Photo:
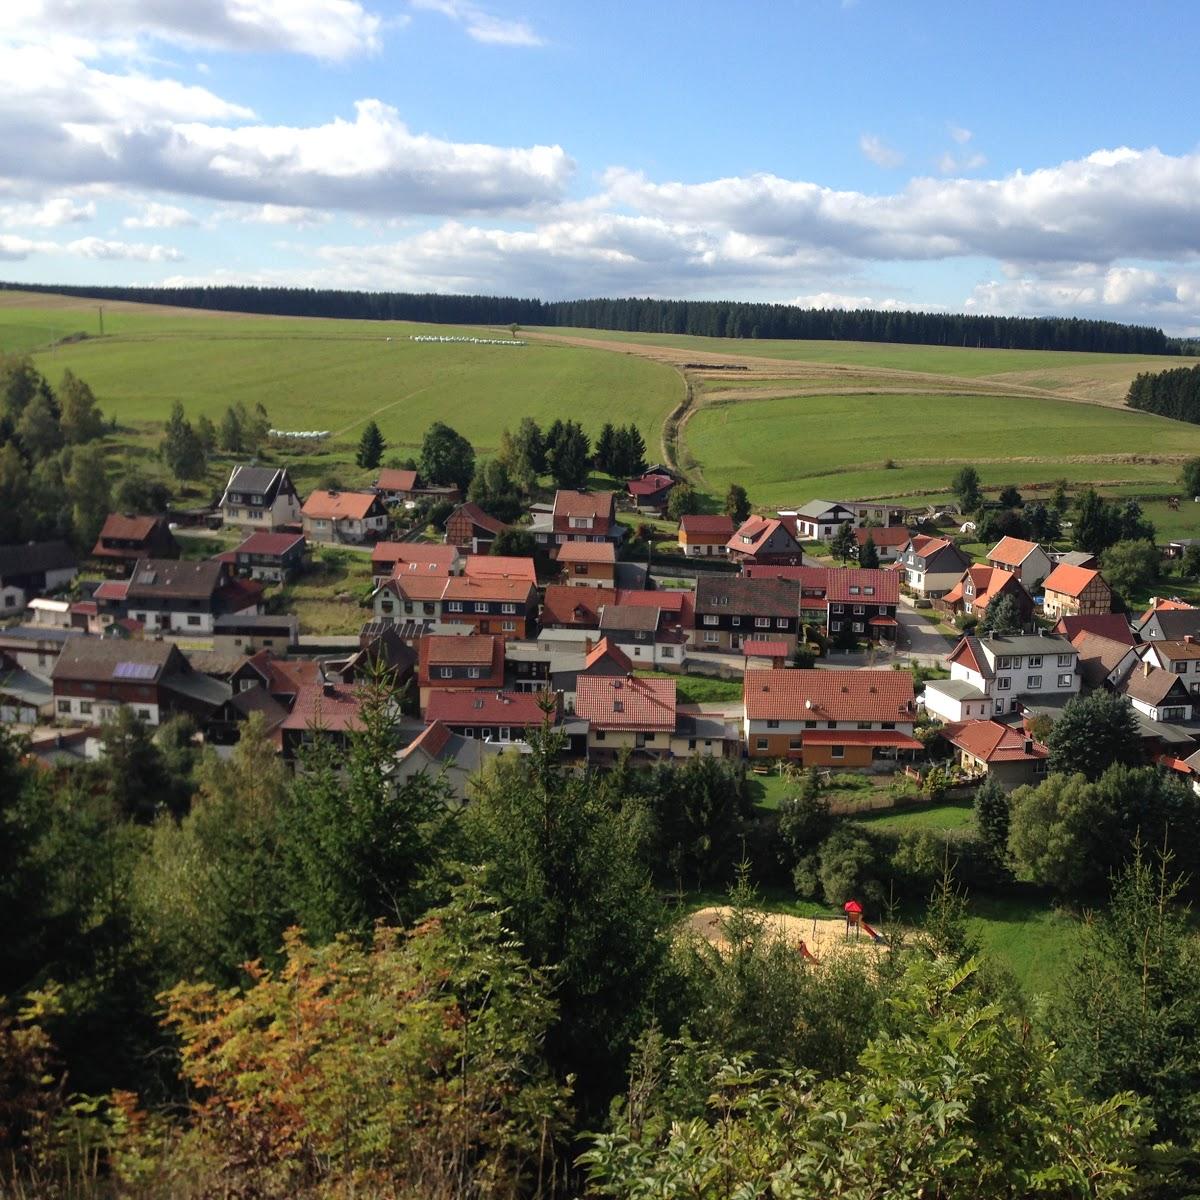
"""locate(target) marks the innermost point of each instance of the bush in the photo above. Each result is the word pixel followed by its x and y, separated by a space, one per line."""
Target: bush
pixel 849 865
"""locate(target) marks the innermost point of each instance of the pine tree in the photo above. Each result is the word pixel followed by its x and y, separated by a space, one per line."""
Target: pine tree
pixel 88 488
pixel 635 452
pixel 1002 617
pixel 605 444
pixel 370 447
pixel 737 503
pixel 843 543
pixel 569 458
pixel 965 486
pixel 868 556
pixel 992 821
pixel 81 419
pixel 181 449
pixel 232 437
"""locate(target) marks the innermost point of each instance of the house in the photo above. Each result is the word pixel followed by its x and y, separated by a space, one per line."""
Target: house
pixel 384 649
pixel 438 753
pixel 344 517
pixel 414 558
pixel 581 517
pixel 1158 694
pixel 500 566
pixel 566 607
pixel 626 714
pixel 650 493
pixel 819 520
pixel 764 540
pixel 34 647
pixel 1180 657
pixel 980 587
pixel 322 710
pixel 471 530
pixel 490 604
pixel 1103 662
pixel 931 565
pixel 1000 752
pixel 33 569
pixel 731 611
pixel 1026 560
pixel 705 537
pixel 878 513
pixel 93 677
pixel 1077 558
pixel 1168 620
pixel 835 718
pixel 54 613
pixel 396 485
pixel 491 715
pixel 247 633
pixel 1109 625
pixel 271 557
pixel 260 498
pixel 1075 591
pixel 26 698
pixel 472 661
pixel 1003 671
pixel 650 636
pixel 588 564
pixel 888 541
pixel 867 597
pixel 178 596
pixel 125 538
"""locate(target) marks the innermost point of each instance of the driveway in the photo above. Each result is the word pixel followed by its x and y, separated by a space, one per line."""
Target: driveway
pixel 921 640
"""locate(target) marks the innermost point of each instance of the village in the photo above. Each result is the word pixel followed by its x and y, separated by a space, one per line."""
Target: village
pixel 842 667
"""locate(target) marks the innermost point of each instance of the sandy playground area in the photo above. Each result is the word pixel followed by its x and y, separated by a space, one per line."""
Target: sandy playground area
pixel 822 937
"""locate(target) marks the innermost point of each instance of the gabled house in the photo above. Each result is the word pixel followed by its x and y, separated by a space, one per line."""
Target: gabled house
pixel 1109 625
pixel 931 565
pixel 764 540
pixel 31 570
pixel 889 540
pixel 835 718
pixel 650 636
pixel 865 597
pixel 1158 694
pixel 492 716
pixel 179 596
pixel 438 753
pixel 878 512
pixel 353 517
pixel 705 537
pixel 588 564
pixel 731 611
pixel 396 485
pixel 490 604
pixel 248 633
pixel 566 607
pixel 448 662
pixel 1004 673
pixel 26 698
pixel 819 520
pixel 1180 657
pixel 260 498
pixel 581 517
pixel 271 557
pixel 1026 560
pixel 1169 621
pixel 471 530
pixel 626 714
pixel 34 647
pixel 1000 752
pixel 1103 662
pixel 1075 591
pixel 650 493
pixel 414 558
pixel 124 538
pixel 980 587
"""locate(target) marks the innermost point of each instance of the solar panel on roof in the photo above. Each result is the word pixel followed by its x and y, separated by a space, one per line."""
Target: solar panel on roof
pixel 134 670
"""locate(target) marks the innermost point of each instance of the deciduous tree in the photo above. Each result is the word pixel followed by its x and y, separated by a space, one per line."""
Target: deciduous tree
pixel 737 503
pixel 447 458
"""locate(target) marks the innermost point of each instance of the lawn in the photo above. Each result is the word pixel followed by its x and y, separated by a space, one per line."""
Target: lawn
pixel 699 689
pixel 956 815
pixel 789 449
pixel 327 597
pixel 1024 933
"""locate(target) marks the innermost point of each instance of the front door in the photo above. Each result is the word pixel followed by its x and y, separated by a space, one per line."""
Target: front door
pixel 735 641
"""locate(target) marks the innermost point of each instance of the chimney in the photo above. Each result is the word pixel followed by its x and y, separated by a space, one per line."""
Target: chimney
pixel 1146 668
pixel 1188 640
pixel 1029 745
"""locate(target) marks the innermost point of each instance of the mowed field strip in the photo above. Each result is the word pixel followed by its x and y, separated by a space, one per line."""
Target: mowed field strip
pixel 789 420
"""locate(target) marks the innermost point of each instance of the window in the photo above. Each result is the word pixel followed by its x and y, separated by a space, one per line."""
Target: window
pixel 1003 662
pixel 64 706
pixel 781 622
pixel 454 606
pixel 85 708
pixel 863 725
pixel 446 672
pixel 481 606
pixel 883 612
pixel 581 569
pixel 772 724
pixel 143 714
pixel 810 724
pixel 859 610
pixel 762 622
pixel 887 724
pixel 858 627
pixel 868 591
pixel 468 732
pixel 1066 660
pixel 668 651
pixel 1035 682
pixel 830 724
pixel 735 621
pixel 835 625
pixel 1180 668
pixel 855 590
pixel 837 751
pixel 711 636
pixel 761 743
pixel 508 627
pixel 710 618
pixel 1035 660
pixel 193 620
pixel 837 608
pixel 472 672
pixel 1065 679
pixel 600 735
pixel 581 522
pixel 1003 683
pixel 1196 689
pixel 1041 766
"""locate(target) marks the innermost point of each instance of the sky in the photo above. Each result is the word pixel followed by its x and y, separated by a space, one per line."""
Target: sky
pixel 1020 157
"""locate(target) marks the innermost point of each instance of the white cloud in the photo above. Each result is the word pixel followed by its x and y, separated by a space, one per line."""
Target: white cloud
pixel 878 151
pixel 324 29
pixel 841 300
pixel 483 26
pixel 959 134
pixel 15 248
pixel 59 210
pixel 948 164
pixel 160 216
pixel 274 214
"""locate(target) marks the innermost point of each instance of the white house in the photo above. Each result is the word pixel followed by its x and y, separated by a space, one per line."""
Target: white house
pixel 821 519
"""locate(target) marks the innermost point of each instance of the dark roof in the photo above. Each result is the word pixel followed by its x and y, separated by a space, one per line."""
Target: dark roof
pixel 760 597
pixel 1175 623
pixel 94 658
pixel 1155 686
pixel 269 543
pixel 628 617
pixel 163 578
pixel 473 513
pixel 32 557
pixel 252 479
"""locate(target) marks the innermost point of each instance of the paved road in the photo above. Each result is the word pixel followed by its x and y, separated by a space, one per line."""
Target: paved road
pixel 920 640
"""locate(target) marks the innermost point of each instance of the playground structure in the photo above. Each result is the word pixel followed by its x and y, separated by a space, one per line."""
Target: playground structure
pixel 816 938
pixel 856 921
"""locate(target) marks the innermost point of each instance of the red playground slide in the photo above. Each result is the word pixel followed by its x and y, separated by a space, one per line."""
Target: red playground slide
pixel 808 953
pixel 873 934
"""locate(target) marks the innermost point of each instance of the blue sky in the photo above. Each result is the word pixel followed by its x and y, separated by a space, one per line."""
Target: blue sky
pixel 1017 157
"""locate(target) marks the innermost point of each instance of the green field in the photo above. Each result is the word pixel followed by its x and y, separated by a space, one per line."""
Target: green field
pixel 956 815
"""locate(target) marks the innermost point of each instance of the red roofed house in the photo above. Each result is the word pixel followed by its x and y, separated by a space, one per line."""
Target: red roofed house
pixel 500 566
pixel 705 537
pixel 866 597
pixel 273 557
pixel 889 541
pixel 396 485
pixel 413 558
pixel 1027 560
pixel 582 517
pixel 626 713
pixel 471 529
pixel 1004 753
pixel 982 586
pixel 566 607
pixel 344 517
pixel 828 718
pixel 650 492
pixel 322 709
pixel 491 716
pixel 491 604
pixel 764 540
pixel 1075 591
pixel 588 564
pixel 1109 625
pixel 125 538
pixel 448 661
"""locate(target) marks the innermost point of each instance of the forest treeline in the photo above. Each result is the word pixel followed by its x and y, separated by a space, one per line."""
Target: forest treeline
pixel 1174 393
pixel 706 318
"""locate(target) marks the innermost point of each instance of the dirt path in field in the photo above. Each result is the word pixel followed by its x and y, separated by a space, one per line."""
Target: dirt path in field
pixel 823 937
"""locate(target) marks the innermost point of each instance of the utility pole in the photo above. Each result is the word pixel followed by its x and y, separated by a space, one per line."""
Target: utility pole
pixel 100 310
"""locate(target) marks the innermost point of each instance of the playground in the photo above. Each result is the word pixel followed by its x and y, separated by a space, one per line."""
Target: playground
pixel 815 937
